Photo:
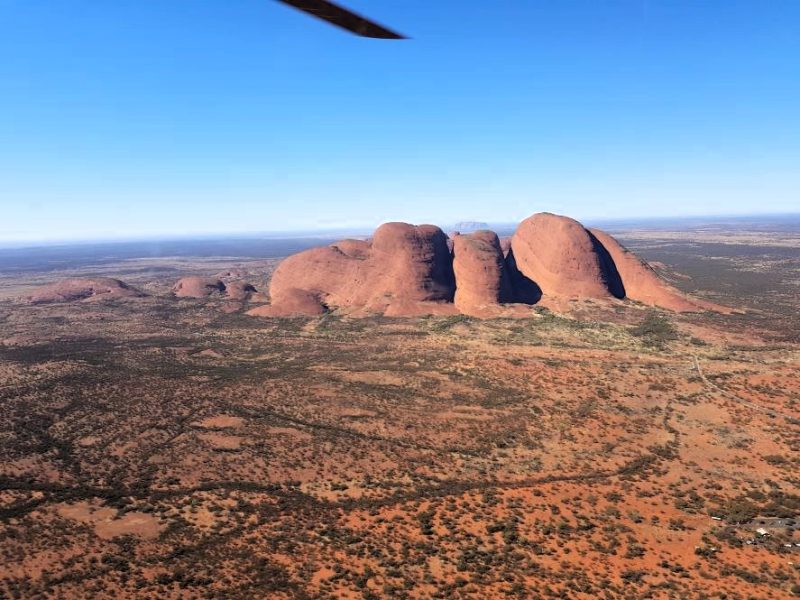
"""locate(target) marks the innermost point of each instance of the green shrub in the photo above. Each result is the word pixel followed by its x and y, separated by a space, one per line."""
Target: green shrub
pixel 655 330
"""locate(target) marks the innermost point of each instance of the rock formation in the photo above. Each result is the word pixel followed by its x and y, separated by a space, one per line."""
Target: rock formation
pixel 558 254
pixel 88 290
pixel 481 273
pixel 292 302
pixel 404 270
pixel 197 287
pixel 413 270
pixel 236 292
pixel 644 285
pixel 239 290
pixel 411 266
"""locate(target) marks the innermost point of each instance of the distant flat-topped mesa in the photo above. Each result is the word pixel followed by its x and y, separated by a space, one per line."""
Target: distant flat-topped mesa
pixel 407 270
pixel 83 290
pixel 471 226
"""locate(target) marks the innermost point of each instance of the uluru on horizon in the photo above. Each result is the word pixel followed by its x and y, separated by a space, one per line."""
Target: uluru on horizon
pixel 408 270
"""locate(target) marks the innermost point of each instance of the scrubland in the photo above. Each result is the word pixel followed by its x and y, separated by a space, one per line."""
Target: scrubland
pixel 161 448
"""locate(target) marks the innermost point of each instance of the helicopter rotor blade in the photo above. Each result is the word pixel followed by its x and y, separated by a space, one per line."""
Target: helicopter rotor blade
pixel 346 19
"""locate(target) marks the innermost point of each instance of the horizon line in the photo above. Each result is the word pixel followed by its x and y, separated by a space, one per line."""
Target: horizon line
pixel 322 231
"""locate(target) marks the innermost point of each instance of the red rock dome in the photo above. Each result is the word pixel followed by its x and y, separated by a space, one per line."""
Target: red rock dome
pixel 197 287
pixel 90 290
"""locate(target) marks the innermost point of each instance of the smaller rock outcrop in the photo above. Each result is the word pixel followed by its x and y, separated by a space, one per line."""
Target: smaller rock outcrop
pixel 239 290
pixel 84 290
pixel 292 303
pixel 198 287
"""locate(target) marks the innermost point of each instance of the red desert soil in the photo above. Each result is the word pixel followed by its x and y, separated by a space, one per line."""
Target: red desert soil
pixel 396 458
pixel 221 422
pixel 108 523
pixel 166 449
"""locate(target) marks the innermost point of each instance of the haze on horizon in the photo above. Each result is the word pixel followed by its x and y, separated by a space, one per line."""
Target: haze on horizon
pixel 141 118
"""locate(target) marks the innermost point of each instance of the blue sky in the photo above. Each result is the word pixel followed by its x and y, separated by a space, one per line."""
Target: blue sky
pixel 159 117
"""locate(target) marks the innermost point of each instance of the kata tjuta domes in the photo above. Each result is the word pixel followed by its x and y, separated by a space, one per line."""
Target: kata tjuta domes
pixel 405 269
pixel 411 270
pixel 566 260
pixel 83 290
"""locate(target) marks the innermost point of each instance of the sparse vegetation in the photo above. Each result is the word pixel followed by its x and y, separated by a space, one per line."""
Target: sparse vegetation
pixel 166 449
pixel 655 330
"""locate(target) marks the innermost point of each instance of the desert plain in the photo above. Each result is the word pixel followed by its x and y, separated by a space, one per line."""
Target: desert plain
pixel 156 446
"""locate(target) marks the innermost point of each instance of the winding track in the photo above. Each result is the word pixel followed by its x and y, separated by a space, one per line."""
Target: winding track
pixel 767 411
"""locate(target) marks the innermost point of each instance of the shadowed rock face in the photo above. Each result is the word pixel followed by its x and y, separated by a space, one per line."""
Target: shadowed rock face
pixel 481 273
pixel 523 289
pixel 411 270
pixel 642 283
pixel 197 287
pixel 89 290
